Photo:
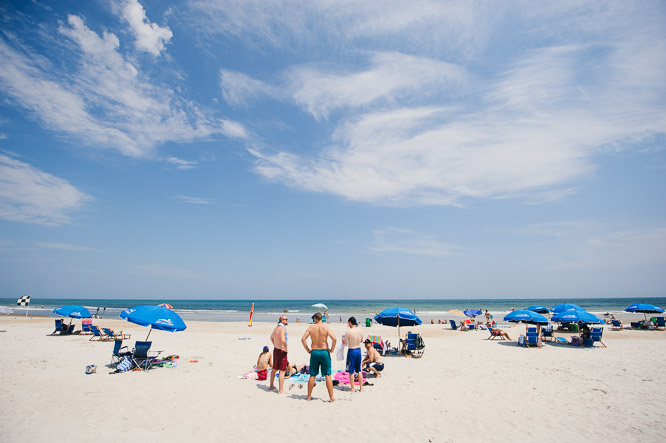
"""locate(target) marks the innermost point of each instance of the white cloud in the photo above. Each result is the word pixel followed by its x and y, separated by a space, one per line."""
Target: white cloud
pixel 239 88
pixel 181 164
pixel 194 200
pixel 107 103
pixel 150 37
pixel 63 246
pixel 405 241
pixel 28 195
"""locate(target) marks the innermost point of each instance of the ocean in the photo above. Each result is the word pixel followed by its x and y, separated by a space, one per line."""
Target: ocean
pixel 270 310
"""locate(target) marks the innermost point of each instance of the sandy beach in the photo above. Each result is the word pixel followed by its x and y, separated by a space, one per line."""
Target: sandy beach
pixel 465 388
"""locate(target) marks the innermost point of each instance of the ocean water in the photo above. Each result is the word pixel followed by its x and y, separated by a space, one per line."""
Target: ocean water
pixel 339 310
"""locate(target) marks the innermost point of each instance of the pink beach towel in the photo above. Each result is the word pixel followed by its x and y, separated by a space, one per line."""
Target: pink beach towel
pixel 343 377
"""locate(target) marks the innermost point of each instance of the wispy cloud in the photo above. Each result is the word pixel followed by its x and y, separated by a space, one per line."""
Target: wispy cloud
pixel 179 163
pixel 29 195
pixel 150 37
pixel 64 246
pixel 239 89
pixel 194 200
pixel 104 100
pixel 405 241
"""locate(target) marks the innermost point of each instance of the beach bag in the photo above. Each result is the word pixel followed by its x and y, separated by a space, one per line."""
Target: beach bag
pixel 262 375
pixel 124 365
pixel 521 340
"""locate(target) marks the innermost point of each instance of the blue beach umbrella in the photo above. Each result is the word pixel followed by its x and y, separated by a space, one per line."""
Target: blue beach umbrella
pixel 573 316
pixel 565 307
pixel 472 312
pixel 644 308
pixel 73 311
pixel 397 317
pixel 526 316
pixel 157 317
pixel 538 309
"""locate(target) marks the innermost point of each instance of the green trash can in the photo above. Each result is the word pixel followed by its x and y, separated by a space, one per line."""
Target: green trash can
pixel 368 322
pixel 573 327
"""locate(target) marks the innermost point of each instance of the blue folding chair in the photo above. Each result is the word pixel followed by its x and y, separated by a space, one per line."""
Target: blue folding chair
pixel 596 334
pixel 414 343
pixel 453 324
pixel 140 355
pixel 661 322
pixel 616 325
pixel 118 353
pixel 532 338
pixel 547 333
pixel 58 327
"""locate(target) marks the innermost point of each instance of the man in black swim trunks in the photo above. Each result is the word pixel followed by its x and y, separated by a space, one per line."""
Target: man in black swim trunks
pixel 373 362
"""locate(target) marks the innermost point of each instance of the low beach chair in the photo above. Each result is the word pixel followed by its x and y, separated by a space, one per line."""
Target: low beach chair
pixel 660 322
pixel 140 356
pixel 118 353
pixel 453 324
pixel 377 343
pixel 561 340
pixel 69 330
pixel 547 333
pixel 636 325
pixel 595 335
pixel 532 338
pixel 616 325
pixel 115 335
pixel 58 327
pixel 414 343
pixel 97 334
pixel 494 334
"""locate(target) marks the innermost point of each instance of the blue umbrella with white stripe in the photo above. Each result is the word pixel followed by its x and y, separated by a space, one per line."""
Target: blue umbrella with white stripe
pixel 644 308
pixel 565 307
pixel 157 317
pixel 573 316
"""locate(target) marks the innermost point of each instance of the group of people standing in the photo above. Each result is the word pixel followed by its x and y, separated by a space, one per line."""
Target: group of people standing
pixel 320 350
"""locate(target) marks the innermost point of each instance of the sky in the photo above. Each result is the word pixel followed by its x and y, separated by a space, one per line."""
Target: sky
pixel 267 149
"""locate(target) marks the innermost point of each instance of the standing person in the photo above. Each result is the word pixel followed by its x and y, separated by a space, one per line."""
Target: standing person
pixel 320 354
pixel 353 339
pixel 279 340
pixel 487 316
pixel 264 361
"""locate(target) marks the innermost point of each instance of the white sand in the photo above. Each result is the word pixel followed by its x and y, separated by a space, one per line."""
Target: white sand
pixel 465 388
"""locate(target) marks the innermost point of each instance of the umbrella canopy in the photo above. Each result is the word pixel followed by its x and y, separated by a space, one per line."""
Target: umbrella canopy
pixel 74 311
pixel 565 307
pixel 165 305
pixel 472 312
pixel 539 309
pixel 5 310
pixel 320 306
pixel 157 317
pixel 644 308
pixel 397 317
pixel 574 316
pixel 456 312
pixel 526 316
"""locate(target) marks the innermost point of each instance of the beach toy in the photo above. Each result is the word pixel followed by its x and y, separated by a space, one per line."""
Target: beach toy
pixel 193 361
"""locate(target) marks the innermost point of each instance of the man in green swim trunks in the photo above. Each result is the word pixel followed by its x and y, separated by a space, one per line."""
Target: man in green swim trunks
pixel 320 354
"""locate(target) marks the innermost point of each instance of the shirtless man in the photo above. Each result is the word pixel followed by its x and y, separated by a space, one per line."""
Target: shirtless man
pixel 353 339
pixel 279 340
pixel 373 361
pixel 264 361
pixel 320 354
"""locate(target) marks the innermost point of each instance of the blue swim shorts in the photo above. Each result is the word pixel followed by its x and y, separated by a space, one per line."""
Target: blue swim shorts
pixel 320 358
pixel 354 358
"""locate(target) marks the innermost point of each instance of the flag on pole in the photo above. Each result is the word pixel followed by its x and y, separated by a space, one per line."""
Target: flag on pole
pixel 23 301
pixel 251 313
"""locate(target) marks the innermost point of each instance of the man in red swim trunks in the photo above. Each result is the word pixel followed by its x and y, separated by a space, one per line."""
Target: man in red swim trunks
pixel 279 340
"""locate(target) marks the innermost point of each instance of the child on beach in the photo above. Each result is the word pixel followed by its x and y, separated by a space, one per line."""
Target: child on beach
pixel 264 362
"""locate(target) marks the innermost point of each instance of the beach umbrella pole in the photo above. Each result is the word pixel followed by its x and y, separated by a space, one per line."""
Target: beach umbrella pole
pixel 151 330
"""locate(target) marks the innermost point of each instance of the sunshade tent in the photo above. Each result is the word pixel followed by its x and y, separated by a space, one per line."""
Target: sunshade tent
pixel 538 309
pixel 644 308
pixel 157 317
pixel 565 307
pixel 574 316
pixel 397 317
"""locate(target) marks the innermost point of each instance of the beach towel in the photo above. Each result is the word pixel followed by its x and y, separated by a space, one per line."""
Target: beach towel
pixel 340 353
pixel 124 365
pixel 343 377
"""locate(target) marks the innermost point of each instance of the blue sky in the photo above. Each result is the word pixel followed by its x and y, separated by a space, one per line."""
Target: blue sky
pixel 332 149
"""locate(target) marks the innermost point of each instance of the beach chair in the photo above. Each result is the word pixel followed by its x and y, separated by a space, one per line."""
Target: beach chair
pixel 561 340
pixel 495 334
pixel 547 333
pixel 140 356
pixel 97 334
pixel 453 324
pixel 118 353
pixel 532 338
pixel 377 343
pixel 616 325
pixel 69 330
pixel 115 335
pixel 58 327
pixel 660 322
pixel 596 334
pixel 636 325
pixel 414 343
pixel 471 326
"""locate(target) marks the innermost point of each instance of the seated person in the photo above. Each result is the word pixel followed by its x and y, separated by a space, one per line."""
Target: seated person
pixel 499 332
pixel 264 362
pixel 585 331
pixel 373 362
pixel 463 326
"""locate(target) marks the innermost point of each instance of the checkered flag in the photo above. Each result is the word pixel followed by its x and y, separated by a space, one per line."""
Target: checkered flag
pixel 23 301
